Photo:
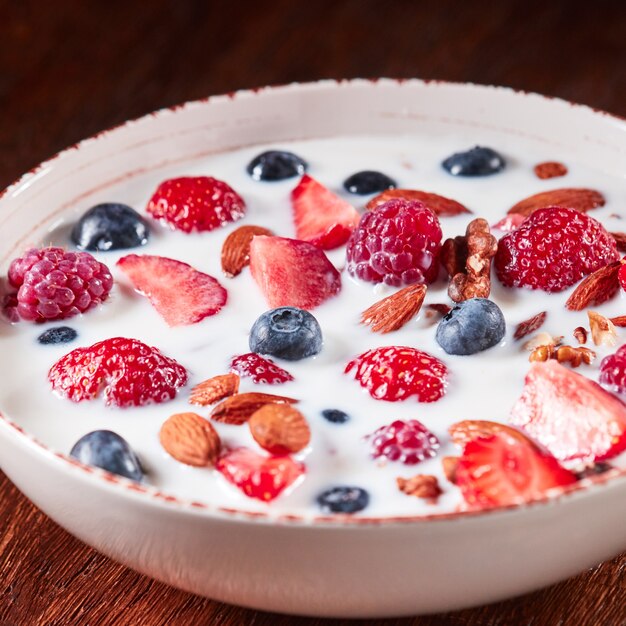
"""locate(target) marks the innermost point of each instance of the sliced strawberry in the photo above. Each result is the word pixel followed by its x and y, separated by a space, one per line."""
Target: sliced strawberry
pixel 321 217
pixel 573 417
pixel 258 476
pixel 261 370
pixel 181 294
pixel 501 469
pixel 290 272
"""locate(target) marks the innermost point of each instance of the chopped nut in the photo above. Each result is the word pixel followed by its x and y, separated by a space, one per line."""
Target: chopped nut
pixel 421 486
pixel 602 329
pixel 620 240
pixel 214 389
pixel 563 354
pixel 620 321
pixel 596 288
pixel 542 353
pixel 530 325
pixel 581 335
pixel 474 280
pixel 550 169
pixel 394 311
pixel 541 339
pixel 454 255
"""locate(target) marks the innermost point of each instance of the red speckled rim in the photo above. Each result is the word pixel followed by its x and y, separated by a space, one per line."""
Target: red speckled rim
pixel 101 478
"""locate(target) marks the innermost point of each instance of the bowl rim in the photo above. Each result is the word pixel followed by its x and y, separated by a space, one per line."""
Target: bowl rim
pixel 148 495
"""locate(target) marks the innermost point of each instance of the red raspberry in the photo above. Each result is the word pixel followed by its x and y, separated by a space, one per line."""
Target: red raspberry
pixel 261 370
pixel 409 442
pixel 129 372
pixel 396 243
pixel 613 371
pixel 196 203
pixel 54 284
pixel 397 372
pixel 553 249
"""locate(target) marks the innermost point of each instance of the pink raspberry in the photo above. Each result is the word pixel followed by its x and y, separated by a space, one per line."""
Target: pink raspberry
pixel 613 371
pixel 553 249
pixel 53 284
pixel 409 442
pixel 126 371
pixel 396 243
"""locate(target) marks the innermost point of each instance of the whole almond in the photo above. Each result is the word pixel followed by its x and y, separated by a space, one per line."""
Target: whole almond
pixel 439 205
pixel 236 248
pixel 394 311
pixel 572 198
pixel 596 288
pixel 214 389
pixel 190 439
pixel 238 409
pixel 280 429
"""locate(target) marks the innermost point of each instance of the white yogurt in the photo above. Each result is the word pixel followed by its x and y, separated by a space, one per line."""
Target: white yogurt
pixel 482 386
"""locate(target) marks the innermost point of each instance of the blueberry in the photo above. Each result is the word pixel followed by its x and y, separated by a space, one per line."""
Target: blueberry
pixel 110 226
pixel 287 333
pixel 477 161
pixel 367 182
pixel 471 326
pixel 107 450
pixel 335 416
pixel 58 334
pixel 343 499
pixel 276 165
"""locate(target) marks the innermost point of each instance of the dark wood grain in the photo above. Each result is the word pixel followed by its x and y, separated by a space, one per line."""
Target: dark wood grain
pixel 71 68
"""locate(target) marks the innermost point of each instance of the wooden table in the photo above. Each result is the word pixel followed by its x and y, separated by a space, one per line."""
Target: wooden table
pixel 71 68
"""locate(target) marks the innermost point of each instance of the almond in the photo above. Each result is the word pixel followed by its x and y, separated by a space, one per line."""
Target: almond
pixel 530 325
pixel 572 198
pixel 550 169
pixel 602 329
pixel 190 439
pixel 238 409
pixel 468 430
pixel 620 321
pixel 236 248
pixel 421 486
pixel 393 312
pixel 214 389
pixel 620 240
pixel 280 429
pixel 439 205
pixel 596 288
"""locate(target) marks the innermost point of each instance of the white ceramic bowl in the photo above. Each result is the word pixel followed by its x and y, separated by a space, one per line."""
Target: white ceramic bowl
pixel 354 567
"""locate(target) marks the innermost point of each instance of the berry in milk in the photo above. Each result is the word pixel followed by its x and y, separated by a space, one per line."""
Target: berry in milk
pixel 350 393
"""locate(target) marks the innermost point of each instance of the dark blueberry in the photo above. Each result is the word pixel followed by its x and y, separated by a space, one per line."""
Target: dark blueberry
pixel 343 499
pixel 58 334
pixel 471 326
pixel 110 226
pixel 477 161
pixel 276 165
pixel 335 416
pixel 287 333
pixel 367 182
pixel 108 451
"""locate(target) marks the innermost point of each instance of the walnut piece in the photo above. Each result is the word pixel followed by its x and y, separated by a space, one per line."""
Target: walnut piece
pixel 421 486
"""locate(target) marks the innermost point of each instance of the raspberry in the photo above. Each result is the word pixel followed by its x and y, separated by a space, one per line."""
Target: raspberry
pixel 396 372
pixel 259 369
pixel 409 442
pixel 196 203
pixel 129 372
pixel 553 249
pixel 397 243
pixel 613 371
pixel 53 284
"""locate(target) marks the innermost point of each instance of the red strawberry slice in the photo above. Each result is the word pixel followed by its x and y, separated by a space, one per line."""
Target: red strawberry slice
pixel 181 294
pixel 260 477
pixel 501 469
pixel 573 417
pixel 321 217
pixel 261 370
pixel 126 371
pixel 397 372
pixel 195 203
pixel 290 272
